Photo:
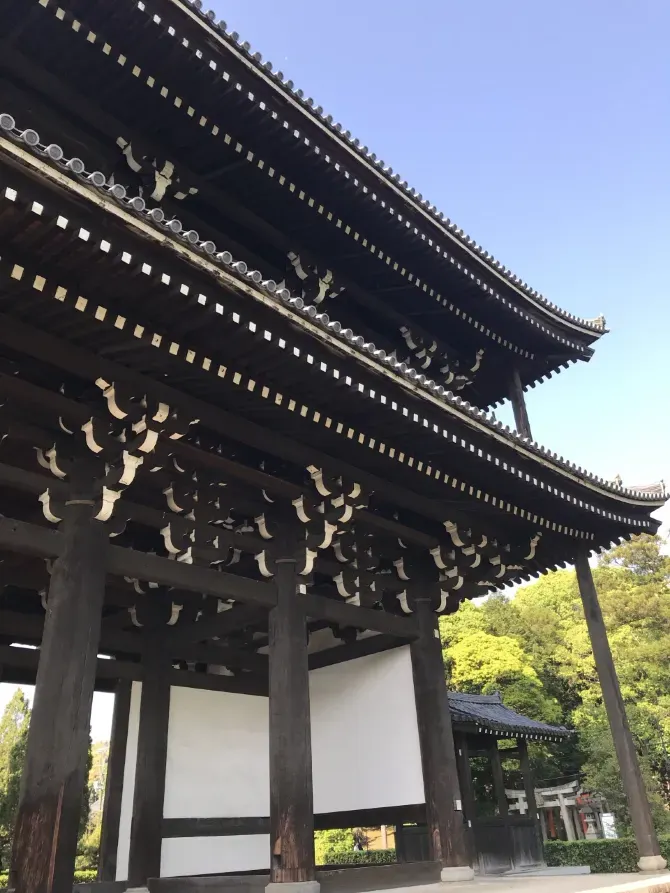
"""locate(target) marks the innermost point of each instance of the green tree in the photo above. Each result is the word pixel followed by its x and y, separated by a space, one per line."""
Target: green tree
pixel 535 649
pixel 13 737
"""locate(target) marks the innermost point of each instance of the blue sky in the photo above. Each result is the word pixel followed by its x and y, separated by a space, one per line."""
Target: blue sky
pixel 543 130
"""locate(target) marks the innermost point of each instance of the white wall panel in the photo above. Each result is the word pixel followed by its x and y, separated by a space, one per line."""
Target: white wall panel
pixel 365 753
pixel 123 851
pixel 217 763
pixel 365 741
pixel 184 856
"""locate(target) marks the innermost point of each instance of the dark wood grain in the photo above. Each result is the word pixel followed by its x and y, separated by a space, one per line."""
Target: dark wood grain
pixel 291 797
pixel 518 400
pixel 436 739
pixel 54 775
pixel 146 828
pixel 638 803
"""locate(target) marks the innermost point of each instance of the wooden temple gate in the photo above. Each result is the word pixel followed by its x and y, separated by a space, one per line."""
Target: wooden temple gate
pixel 246 377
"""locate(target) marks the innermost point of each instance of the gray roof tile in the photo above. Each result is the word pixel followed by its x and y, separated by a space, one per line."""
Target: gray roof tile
pixel 488 712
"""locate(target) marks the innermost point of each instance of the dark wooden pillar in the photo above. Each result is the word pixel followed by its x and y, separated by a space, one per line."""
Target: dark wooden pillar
pixel 467 791
pixel 518 401
pixel 498 779
pixel 54 774
pixel 528 781
pixel 146 833
pixel 291 798
pixel 111 810
pixel 638 804
pixel 446 833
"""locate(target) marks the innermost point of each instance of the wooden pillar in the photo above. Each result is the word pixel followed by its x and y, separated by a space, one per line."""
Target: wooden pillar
pixel 291 797
pixel 528 782
pixel 467 792
pixel 146 832
pixel 529 787
pixel 498 779
pixel 446 833
pixel 54 774
pixel 638 804
pixel 111 810
pixel 518 401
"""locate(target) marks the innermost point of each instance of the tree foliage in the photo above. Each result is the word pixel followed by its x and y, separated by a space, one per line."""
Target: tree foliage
pixel 534 648
pixel 13 736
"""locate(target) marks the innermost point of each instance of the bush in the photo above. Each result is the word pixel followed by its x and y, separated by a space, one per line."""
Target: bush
pixel 80 877
pixel 85 877
pixel 351 857
pixel 602 856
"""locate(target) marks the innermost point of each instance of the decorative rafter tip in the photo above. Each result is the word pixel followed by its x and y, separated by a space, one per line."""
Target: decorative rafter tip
pixel 136 205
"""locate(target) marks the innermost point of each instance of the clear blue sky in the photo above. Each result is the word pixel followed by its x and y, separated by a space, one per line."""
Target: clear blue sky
pixel 543 130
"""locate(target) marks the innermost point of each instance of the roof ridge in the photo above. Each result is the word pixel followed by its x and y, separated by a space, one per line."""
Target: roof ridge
pixel 494 698
pixel 597 325
pixel 76 167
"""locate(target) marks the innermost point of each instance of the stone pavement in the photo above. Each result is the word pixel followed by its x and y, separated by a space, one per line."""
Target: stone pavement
pixel 602 883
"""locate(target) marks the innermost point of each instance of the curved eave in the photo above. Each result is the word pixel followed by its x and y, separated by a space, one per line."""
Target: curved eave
pixel 503 325
pixel 223 269
pixel 424 211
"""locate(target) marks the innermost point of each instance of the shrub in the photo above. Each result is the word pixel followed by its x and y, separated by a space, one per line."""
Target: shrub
pixel 80 877
pixel 602 856
pixel 85 877
pixel 366 857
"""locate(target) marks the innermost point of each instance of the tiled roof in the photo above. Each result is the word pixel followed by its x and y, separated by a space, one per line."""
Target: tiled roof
pixel 489 713
pixel 76 169
pixel 219 29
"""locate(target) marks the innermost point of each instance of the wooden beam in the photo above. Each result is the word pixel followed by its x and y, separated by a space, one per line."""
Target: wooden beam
pixel 19 536
pixel 446 833
pixel 220 625
pixel 318 607
pixel 88 365
pixel 631 776
pixel 325 821
pixel 105 670
pixel 146 828
pixel 242 683
pixel 54 773
pixel 28 629
pixel 359 648
pixel 111 810
pixel 29 539
pixel 291 797
pixel 214 827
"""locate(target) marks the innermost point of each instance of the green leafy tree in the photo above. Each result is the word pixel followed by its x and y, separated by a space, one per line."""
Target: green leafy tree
pixel 535 649
pixel 13 737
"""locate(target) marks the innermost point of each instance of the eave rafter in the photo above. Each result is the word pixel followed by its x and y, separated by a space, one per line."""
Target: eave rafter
pixel 467 413
pixel 216 130
pixel 272 92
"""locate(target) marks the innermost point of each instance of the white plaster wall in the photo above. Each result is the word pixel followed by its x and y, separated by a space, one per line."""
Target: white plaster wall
pixel 365 753
pixel 123 851
pixel 217 755
pixel 365 741
pixel 184 856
